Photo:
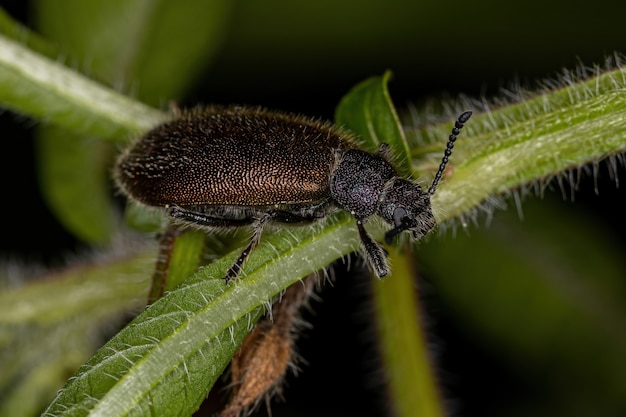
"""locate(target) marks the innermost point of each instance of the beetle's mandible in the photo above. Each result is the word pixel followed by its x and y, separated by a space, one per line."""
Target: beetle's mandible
pixel 227 167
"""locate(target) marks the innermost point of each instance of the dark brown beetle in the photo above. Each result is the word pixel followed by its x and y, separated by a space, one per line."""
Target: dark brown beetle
pixel 224 167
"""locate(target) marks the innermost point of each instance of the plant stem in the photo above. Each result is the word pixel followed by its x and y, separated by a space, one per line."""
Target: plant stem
pixel 34 85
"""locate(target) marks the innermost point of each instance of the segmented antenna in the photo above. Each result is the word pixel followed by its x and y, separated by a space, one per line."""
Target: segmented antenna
pixel 463 118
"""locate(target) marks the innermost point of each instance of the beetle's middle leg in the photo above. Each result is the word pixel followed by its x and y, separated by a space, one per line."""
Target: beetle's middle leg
pixel 258 223
pixel 257 226
pixel 303 214
pixel 281 216
pixel 289 217
pixel 202 219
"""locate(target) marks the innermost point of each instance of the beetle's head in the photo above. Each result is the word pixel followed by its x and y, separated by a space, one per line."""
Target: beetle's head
pixel 406 206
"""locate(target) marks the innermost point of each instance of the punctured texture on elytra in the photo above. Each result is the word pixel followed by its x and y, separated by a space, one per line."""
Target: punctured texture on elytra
pixel 232 156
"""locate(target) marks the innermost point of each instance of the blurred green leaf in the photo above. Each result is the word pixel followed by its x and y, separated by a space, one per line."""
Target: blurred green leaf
pixel 155 49
pixel 143 219
pixel 40 359
pixel 158 49
pixel 20 33
pixel 180 254
pixel 49 327
pixel 74 178
pixel 404 347
pixel 186 257
pixel 98 288
pixel 547 295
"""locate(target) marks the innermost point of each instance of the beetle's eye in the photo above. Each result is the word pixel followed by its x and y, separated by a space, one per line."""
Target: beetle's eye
pixel 398 215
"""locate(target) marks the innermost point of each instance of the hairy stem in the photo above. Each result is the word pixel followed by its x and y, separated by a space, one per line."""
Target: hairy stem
pixel 34 85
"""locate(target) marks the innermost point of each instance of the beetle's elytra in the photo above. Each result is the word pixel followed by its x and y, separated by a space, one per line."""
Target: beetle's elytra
pixel 221 167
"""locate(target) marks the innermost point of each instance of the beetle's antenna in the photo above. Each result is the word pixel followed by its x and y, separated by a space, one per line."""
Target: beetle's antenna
pixel 463 118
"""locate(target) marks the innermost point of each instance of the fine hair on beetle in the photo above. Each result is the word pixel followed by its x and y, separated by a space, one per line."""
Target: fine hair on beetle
pixel 230 167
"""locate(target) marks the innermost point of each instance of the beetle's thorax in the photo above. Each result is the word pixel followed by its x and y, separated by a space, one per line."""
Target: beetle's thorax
pixel 358 181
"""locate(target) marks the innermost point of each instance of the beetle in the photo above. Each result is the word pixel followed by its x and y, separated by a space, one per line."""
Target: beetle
pixel 228 167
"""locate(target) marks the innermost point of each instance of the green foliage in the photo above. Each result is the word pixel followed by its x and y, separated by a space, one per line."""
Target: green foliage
pixel 564 280
pixel 567 281
pixel 146 47
pixel 368 111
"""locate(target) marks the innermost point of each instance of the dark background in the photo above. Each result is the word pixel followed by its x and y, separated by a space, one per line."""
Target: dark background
pixel 471 49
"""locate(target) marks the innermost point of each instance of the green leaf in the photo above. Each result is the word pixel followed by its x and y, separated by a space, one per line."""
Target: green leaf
pixel 98 289
pixel 182 343
pixel 51 326
pixel 411 379
pixel 368 111
pixel 74 180
pixel 34 391
pixel 180 254
pixel 186 257
pixel 143 219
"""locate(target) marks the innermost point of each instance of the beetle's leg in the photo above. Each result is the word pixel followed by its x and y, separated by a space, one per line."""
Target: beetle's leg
pixel 275 215
pixel 282 216
pixel 302 214
pixel 204 220
pixel 235 269
pixel 217 222
pixel 376 255
pixel 258 224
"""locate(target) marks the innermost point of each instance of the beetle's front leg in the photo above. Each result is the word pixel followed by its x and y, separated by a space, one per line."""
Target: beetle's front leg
pixel 376 255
